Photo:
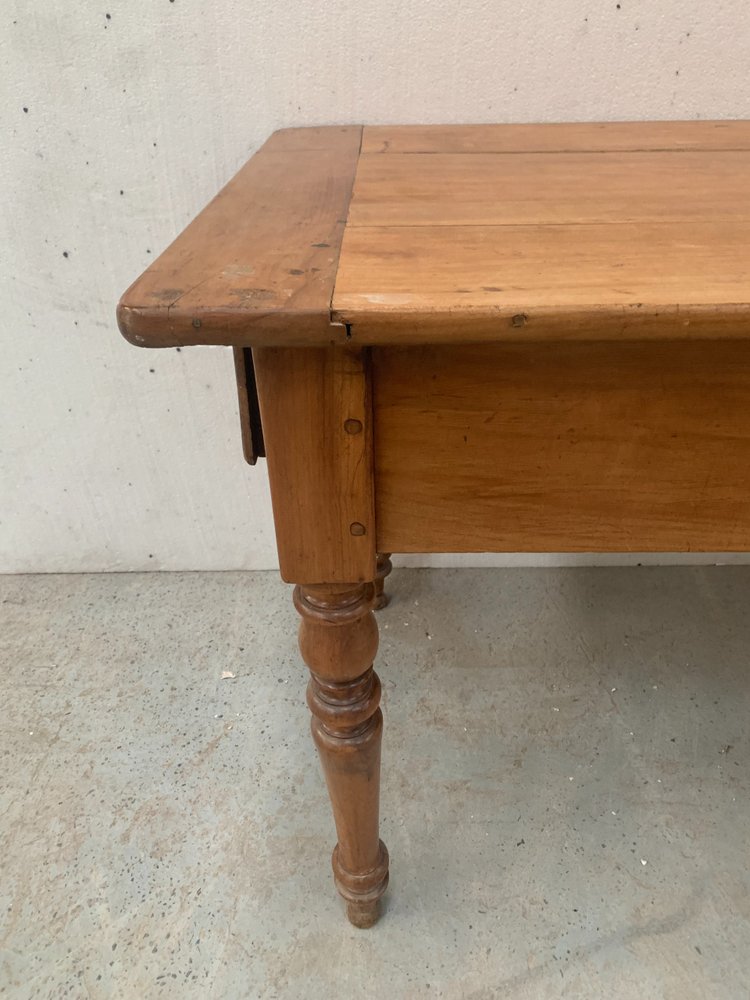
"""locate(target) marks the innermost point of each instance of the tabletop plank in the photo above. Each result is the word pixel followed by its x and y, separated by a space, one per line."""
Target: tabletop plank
pixel 454 189
pixel 450 283
pixel 259 262
pixel 556 137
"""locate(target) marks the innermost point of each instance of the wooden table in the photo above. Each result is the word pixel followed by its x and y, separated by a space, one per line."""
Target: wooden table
pixel 462 339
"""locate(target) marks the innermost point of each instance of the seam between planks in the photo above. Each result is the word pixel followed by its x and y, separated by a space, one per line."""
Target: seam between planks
pixel 331 315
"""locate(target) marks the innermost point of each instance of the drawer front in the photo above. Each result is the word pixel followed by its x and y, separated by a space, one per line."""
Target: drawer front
pixel 571 447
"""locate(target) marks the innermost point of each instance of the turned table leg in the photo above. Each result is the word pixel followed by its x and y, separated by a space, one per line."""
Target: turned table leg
pixel 338 640
pixel 384 567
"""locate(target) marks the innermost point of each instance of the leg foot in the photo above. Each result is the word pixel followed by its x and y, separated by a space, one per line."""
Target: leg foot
pixel 338 640
pixel 362 892
pixel 384 567
pixel 363 915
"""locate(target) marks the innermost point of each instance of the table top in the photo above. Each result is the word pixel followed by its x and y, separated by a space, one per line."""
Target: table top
pixel 421 234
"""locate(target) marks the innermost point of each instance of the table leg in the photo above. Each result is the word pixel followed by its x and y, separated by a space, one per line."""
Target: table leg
pixel 384 568
pixel 338 640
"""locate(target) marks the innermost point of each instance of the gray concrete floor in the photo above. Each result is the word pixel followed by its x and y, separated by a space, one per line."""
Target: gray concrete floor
pixel 565 790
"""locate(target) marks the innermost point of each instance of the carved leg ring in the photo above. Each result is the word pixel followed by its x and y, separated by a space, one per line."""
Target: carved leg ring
pixel 384 567
pixel 338 640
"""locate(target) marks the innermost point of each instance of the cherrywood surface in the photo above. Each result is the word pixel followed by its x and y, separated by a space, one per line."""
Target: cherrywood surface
pixel 257 266
pixel 546 232
pixel 446 284
pixel 315 407
pixel 593 447
pixel 338 640
pixel 547 189
pixel 464 234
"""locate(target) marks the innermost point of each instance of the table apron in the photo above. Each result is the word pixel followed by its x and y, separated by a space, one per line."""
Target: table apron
pixel 577 447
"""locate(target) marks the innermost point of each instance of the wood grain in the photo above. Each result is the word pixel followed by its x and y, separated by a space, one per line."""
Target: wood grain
pixel 317 424
pixel 555 137
pixel 487 240
pixel 609 230
pixel 486 189
pixel 257 265
pixel 474 283
pixel 580 447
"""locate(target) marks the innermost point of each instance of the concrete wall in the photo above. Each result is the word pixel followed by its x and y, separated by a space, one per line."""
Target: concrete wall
pixel 120 119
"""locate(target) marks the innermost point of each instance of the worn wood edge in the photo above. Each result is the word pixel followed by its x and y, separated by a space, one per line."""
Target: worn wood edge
pixel 162 325
pixel 136 324
pixel 598 322
pixel 372 327
pixel 228 328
